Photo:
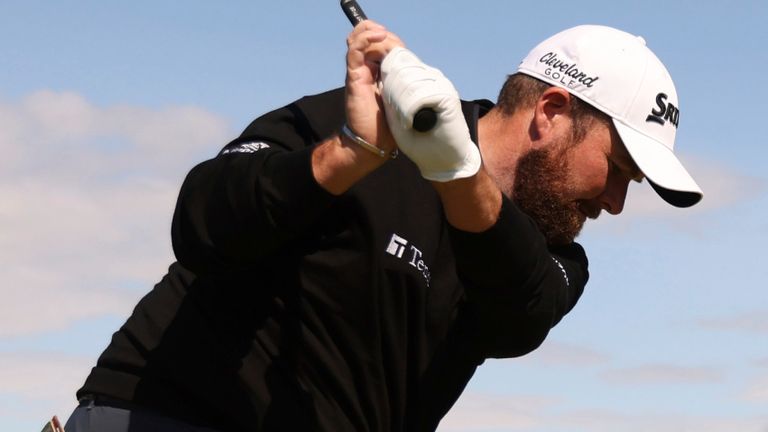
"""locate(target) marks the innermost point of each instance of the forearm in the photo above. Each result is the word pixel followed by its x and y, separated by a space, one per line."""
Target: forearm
pixel 470 204
pixel 338 163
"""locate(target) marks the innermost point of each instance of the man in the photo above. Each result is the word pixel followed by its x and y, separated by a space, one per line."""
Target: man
pixel 323 284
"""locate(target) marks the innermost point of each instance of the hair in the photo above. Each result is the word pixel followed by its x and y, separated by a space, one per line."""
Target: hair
pixel 522 91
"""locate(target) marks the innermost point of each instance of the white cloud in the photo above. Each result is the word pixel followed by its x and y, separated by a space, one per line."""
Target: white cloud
pixel 752 322
pixel 86 198
pixel 662 374
pixel 42 383
pixel 601 420
pixel 57 135
pixel 723 187
pixel 757 392
pixel 554 353
pixel 480 412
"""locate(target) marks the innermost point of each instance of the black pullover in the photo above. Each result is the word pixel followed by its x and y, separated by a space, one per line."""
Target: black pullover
pixel 289 309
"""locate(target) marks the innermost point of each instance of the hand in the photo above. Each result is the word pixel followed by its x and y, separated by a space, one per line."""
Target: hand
pixel 338 164
pixel 367 45
pixel 444 153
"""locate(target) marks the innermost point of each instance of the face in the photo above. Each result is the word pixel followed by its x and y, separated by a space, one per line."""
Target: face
pixel 562 184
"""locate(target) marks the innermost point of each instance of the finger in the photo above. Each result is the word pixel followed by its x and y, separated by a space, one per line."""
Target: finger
pixel 367 25
pixel 373 40
pixel 359 44
pixel 359 35
pixel 378 50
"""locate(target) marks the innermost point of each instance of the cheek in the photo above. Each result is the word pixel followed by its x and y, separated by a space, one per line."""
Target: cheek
pixel 588 177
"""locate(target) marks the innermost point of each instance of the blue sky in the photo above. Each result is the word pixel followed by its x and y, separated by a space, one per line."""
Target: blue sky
pixel 104 106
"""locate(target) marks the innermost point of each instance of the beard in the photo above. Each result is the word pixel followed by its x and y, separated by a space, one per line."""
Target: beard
pixel 541 190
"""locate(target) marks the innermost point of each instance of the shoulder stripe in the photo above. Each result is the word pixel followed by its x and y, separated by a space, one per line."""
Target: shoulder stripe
pixel 247 147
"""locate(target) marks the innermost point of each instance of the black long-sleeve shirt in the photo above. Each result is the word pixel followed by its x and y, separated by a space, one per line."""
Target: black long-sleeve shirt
pixel 291 309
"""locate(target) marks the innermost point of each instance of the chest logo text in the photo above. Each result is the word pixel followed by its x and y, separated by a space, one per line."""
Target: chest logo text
pixel 398 246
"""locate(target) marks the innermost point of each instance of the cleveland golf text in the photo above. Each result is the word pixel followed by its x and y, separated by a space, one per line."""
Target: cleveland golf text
pixel 559 70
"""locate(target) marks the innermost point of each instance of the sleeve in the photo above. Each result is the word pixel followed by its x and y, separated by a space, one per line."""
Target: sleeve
pixel 258 192
pixel 517 287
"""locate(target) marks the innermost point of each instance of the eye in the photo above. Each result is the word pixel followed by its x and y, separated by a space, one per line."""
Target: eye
pixel 613 168
pixel 633 175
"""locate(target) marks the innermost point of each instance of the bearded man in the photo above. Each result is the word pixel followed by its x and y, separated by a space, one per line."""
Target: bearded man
pixel 338 270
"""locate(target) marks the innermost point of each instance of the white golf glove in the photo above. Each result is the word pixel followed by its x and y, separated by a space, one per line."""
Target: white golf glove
pixel 444 153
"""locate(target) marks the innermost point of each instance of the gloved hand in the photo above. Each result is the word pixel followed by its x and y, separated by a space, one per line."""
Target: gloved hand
pixel 444 153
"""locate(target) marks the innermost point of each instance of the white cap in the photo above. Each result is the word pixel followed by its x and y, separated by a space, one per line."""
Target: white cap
pixel 616 73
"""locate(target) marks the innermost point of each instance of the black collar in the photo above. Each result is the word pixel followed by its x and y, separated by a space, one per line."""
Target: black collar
pixel 473 110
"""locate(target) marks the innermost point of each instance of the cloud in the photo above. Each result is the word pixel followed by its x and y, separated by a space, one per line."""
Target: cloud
pixel 723 187
pixel 86 198
pixel 62 135
pixel 662 374
pixel 481 412
pixel 752 322
pixel 757 392
pixel 553 353
pixel 41 383
pixel 601 420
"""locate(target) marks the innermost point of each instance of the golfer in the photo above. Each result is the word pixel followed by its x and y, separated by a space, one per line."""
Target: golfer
pixel 339 271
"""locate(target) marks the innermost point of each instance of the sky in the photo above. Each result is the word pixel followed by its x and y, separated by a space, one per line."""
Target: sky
pixel 104 107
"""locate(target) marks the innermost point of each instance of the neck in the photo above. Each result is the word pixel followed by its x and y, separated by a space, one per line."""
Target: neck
pixel 503 139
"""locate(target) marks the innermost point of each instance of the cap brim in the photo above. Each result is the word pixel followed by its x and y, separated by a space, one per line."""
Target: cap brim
pixel 661 167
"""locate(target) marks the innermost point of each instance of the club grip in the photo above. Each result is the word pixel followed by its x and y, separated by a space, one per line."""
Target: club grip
pixel 426 118
pixel 353 12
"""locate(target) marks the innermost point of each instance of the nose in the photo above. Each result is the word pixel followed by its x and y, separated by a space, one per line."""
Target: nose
pixel 615 193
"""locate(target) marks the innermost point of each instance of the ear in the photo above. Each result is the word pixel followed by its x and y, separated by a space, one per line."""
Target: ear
pixel 552 114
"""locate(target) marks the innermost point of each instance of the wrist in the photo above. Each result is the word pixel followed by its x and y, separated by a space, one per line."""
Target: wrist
pixel 351 136
pixel 337 164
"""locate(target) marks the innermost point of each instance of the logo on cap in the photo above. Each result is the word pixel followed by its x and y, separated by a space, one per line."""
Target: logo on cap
pixel 664 111
pixel 566 73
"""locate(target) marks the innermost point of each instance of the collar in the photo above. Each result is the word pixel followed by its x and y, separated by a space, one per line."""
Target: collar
pixel 473 111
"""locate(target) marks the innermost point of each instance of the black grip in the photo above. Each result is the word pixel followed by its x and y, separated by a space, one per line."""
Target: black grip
pixel 426 118
pixel 353 12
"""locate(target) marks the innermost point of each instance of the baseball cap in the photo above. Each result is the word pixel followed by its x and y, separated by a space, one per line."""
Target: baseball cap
pixel 616 73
